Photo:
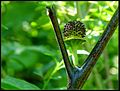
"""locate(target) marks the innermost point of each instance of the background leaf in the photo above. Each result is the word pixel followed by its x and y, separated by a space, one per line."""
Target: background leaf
pixel 11 83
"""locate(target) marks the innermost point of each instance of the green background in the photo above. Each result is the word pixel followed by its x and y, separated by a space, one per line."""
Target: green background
pixel 30 55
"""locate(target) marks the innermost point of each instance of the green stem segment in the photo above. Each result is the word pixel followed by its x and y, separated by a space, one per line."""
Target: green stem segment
pixel 75 56
pixel 74 45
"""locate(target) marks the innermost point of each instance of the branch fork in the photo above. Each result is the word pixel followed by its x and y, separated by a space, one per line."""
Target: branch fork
pixel 78 76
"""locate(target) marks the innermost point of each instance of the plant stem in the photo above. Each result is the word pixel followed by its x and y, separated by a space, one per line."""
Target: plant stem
pixel 75 56
pixel 57 67
pixel 79 14
pixel 97 50
pixel 53 17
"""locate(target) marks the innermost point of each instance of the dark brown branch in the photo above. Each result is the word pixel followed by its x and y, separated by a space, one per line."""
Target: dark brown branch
pixel 78 76
pixel 55 24
pixel 95 54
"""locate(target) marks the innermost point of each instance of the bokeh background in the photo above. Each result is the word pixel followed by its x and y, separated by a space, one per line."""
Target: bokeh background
pixel 30 55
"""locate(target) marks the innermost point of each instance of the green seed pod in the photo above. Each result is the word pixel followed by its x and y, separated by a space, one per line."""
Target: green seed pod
pixel 73 31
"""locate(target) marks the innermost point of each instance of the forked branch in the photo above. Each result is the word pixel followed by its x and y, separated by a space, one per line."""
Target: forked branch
pixel 78 76
pixel 95 53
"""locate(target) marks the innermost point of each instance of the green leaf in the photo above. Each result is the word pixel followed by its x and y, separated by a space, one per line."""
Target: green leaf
pixel 11 83
pixel 83 52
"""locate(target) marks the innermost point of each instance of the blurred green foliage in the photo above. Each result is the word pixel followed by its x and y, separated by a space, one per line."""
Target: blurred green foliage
pixel 30 55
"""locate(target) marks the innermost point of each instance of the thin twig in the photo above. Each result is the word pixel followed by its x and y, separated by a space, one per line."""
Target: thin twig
pixel 55 24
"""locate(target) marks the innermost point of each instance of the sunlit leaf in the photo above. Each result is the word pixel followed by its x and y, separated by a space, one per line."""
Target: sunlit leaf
pixel 82 52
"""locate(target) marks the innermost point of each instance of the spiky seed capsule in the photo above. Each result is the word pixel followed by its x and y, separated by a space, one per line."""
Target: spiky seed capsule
pixel 74 30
